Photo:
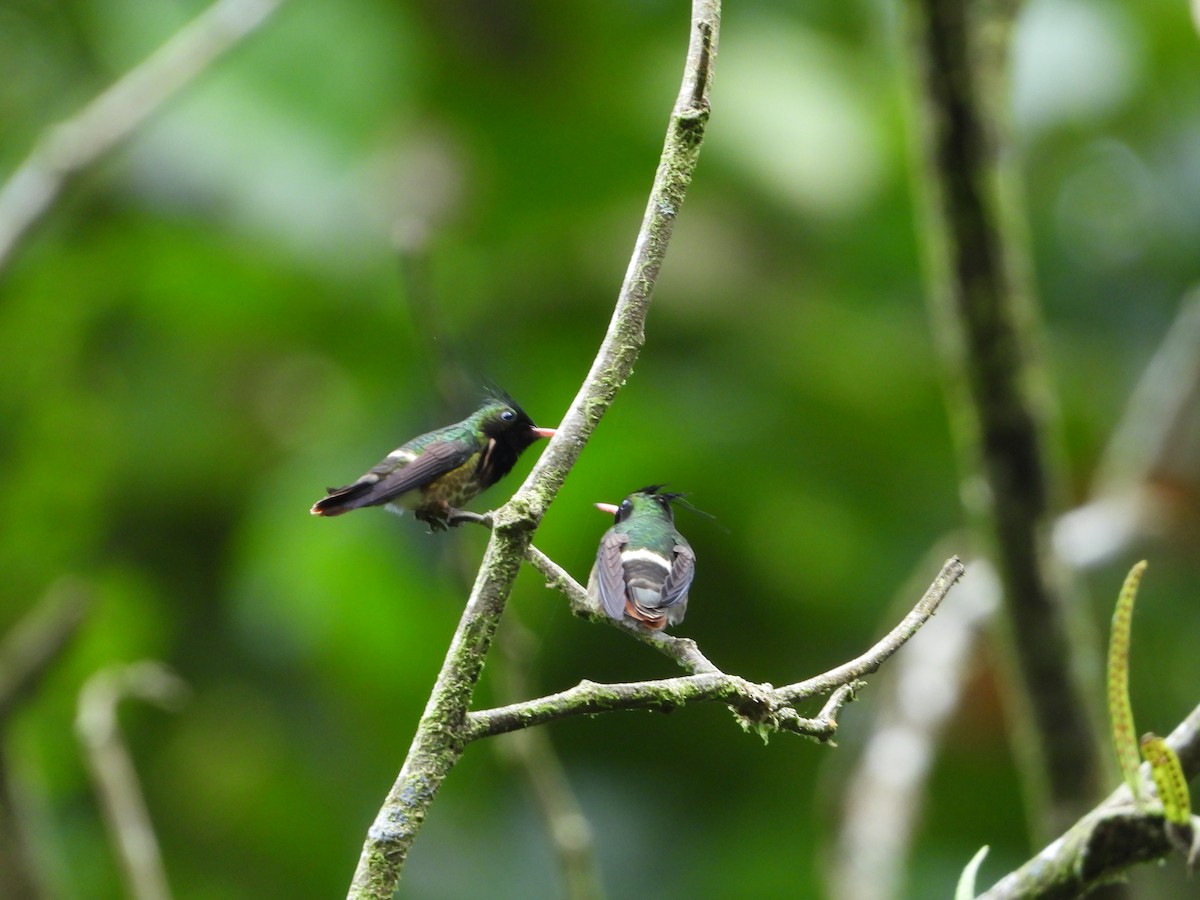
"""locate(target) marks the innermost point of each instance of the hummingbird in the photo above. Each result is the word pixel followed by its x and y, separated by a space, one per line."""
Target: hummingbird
pixel 435 473
pixel 644 567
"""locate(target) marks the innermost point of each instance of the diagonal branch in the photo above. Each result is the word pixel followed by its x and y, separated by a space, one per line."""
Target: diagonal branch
pixel 437 745
pixel 531 753
pixel 1105 842
pixel 68 148
pixel 38 641
pixel 887 645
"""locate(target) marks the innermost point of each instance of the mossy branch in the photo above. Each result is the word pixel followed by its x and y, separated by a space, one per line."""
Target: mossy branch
pixel 1106 841
pixel 759 706
pixel 437 744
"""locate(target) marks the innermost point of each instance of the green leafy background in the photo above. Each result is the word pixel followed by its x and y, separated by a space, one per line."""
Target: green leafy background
pixel 215 323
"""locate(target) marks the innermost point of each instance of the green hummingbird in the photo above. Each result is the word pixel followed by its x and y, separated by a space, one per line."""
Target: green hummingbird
pixel 434 474
pixel 644 567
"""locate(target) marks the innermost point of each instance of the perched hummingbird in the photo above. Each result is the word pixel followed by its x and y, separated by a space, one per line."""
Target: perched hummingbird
pixel 644 567
pixel 437 472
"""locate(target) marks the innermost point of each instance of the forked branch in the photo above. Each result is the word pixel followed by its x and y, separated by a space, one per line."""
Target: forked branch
pixel 437 745
pixel 760 706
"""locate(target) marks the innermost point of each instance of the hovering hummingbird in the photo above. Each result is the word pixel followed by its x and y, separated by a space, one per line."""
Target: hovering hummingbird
pixel 437 472
pixel 644 567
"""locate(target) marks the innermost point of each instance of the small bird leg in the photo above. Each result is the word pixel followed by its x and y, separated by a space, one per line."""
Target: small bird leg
pixel 458 517
pixel 437 517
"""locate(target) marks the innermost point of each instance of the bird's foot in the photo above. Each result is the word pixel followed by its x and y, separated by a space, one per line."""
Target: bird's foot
pixel 437 521
pixel 458 517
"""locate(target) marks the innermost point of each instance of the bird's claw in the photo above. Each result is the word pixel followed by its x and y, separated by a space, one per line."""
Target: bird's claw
pixel 459 517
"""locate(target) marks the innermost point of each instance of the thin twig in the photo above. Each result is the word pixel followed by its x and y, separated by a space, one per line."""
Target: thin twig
pixel 113 771
pixel 886 646
pixel 69 147
pixel 687 654
pixel 437 746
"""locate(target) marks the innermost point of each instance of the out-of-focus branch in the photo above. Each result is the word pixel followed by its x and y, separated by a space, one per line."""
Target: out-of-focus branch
pixel 1105 842
pixel 436 747
pixel 531 751
pixel 986 323
pixel 69 147
pixel 18 875
pixel 26 655
pixel 1147 486
pixel 1148 483
pixel 113 771
pixel 38 641
pixel 885 794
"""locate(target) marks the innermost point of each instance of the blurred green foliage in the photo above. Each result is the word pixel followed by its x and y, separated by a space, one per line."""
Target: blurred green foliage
pixel 214 324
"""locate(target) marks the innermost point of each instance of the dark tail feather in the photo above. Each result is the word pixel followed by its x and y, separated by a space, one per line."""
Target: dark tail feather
pixel 343 499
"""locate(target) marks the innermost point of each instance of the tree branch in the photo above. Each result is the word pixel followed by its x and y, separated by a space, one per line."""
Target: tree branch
pixel 685 651
pixel 986 322
pixel 886 646
pixel 533 753
pixel 69 147
pixel 758 705
pixel 437 744
pixel 882 802
pixel 1105 842
pixel 27 652
pixel 37 642
pixel 113 771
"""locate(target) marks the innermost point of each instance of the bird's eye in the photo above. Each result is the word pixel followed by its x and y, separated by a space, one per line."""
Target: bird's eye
pixel 508 415
pixel 626 507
